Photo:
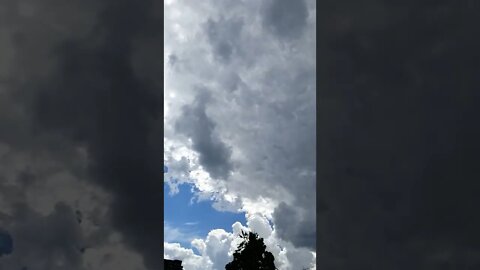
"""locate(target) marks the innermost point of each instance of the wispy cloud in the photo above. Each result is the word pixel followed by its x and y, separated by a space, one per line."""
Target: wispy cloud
pixel 191 223
pixel 174 234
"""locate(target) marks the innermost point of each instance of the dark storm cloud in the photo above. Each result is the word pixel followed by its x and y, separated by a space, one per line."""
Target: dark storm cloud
pixel 52 242
pixel 398 137
pixel 196 124
pixel 285 18
pixel 292 227
pixel 94 98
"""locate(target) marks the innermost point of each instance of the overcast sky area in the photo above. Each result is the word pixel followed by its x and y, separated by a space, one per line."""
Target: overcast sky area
pixel 240 129
pixel 398 135
pixel 80 134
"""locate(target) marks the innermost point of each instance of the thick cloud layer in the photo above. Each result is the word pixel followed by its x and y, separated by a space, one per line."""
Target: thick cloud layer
pixel 81 106
pixel 194 123
pixel 250 146
pixel 53 242
pixel 398 138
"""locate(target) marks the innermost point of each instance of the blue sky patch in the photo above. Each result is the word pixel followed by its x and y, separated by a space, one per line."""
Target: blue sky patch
pixel 185 221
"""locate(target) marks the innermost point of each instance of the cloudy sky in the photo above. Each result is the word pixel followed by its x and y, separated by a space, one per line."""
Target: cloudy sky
pixel 398 135
pixel 80 134
pixel 239 129
pixel 81 140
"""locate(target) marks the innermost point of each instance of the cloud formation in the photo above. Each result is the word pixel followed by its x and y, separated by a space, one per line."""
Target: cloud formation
pixel 217 249
pixel 250 146
pixel 196 125
pixel 80 132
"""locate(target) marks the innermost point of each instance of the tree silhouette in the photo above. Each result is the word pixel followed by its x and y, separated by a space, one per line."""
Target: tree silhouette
pixel 251 254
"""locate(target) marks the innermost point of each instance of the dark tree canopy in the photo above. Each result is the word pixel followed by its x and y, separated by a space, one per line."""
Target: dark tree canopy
pixel 251 254
pixel 172 264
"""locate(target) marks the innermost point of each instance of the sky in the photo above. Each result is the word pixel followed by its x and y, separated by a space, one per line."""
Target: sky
pixel 81 140
pixel 398 135
pixel 187 219
pixel 80 134
pixel 240 130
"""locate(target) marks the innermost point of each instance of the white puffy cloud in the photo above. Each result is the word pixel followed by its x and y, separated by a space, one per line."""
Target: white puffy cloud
pixel 190 260
pixel 216 250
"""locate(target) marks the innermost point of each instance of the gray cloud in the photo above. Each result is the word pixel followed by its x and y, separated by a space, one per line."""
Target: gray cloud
pixel 195 123
pixel 79 123
pixel 224 37
pixel 397 139
pixel 291 225
pixel 286 19
pixel 45 242
pixel 112 111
